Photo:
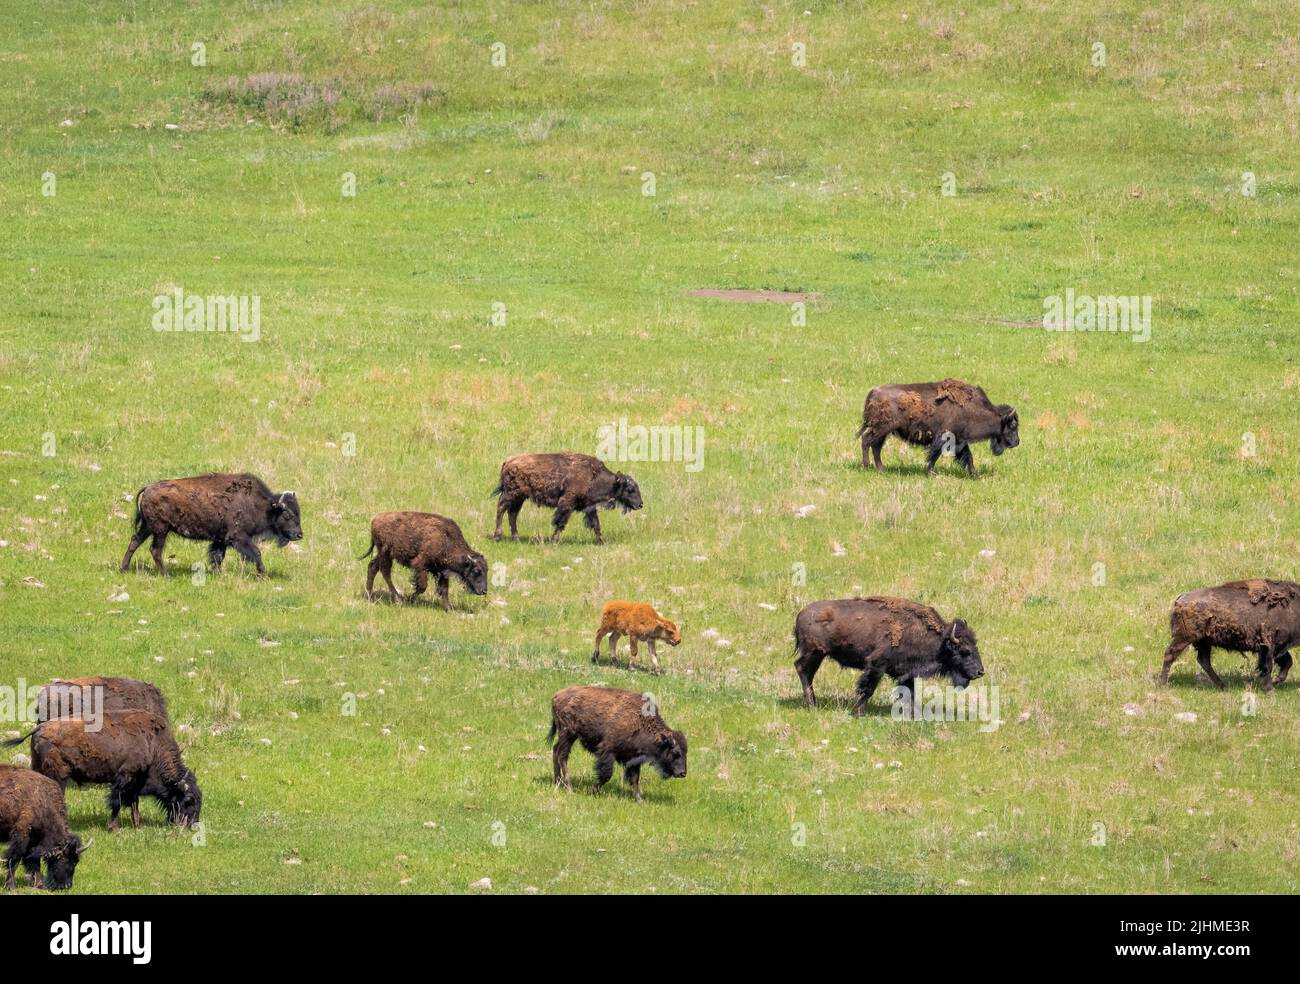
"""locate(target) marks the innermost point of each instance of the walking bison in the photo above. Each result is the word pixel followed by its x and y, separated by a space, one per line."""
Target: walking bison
pixel 427 544
pixel 34 821
pixel 640 623
pixel 882 636
pixel 616 726
pixel 225 509
pixel 1259 616
pixel 132 752
pixel 947 416
pixel 566 482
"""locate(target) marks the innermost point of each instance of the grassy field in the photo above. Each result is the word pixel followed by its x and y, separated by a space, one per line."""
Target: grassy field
pixel 382 380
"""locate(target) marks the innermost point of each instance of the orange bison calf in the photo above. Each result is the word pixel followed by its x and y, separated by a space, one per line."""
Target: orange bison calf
pixel 615 726
pixel 427 544
pixel 640 623
pixel 1258 616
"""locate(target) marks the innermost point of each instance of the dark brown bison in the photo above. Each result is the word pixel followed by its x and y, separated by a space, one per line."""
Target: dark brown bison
pixel 73 698
pixel 947 416
pixel 133 753
pixel 615 726
pixel 34 821
pixel 427 544
pixel 1257 616
pixel 226 510
pixel 883 636
pixel 566 482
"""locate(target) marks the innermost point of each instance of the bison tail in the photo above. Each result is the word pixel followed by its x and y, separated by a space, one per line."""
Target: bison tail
pixel 18 741
pixel 371 550
pixel 550 737
pixel 138 519
pixel 501 487
pixel 861 430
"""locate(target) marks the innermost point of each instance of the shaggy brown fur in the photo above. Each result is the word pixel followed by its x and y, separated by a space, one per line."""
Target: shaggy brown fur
pixel 945 416
pixel 1258 616
pixel 225 509
pixel 59 699
pixel 34 820
pixel 616 726
pixel 427 544
pixel 882 636
pixel 566 482
pixel 134 753
pixel 640 623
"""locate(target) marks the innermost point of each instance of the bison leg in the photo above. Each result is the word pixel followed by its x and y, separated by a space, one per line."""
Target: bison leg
pixel 1283 668
pixel 560 760
pixel 386 568
pixel 508 505
pixel 17 850
pixel 371 570
pixel 138 538
pixel 875 453
pixel 632 776
pixel 595 653
pixel 867 684
pixel 1203 657
pixel 906 684
pixel 156 548
pixel 592 522
pixel 806 666
pixel 444 591
pixel 1265 668
pixel 419 582
pixel 966 459
pixel 247 549
pixel 563 510
pixel 614 636
pixel 1175 650
pixel 933 452
pixel 604 768
pixel 654 657
pixel 631 641
pixel 32 865
pixel 216 556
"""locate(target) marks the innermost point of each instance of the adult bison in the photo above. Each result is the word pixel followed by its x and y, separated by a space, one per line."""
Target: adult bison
pixel 225 509
pixel 946 416
pixel 1258 616
pixel 34 822
pixel 132 752
pixel 566 482
pixel 882 636
pixel 427 544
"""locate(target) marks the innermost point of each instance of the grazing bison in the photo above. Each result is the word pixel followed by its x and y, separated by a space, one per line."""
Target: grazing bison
pixel 427 544
pixel 883 636
pixel 946 416
pixel 227 510
pixel 68 698
pixel 1256 616
pixel 566 482
pixel 615 726
pixel 34 820
pixel 133 753
pixel 640 623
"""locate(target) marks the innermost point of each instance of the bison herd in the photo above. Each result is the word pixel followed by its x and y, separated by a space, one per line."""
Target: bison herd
pixel 131 749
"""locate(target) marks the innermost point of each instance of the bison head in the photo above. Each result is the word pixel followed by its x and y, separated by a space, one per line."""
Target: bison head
pixel 670 755
pixel 473 572
pixel 61 863
pixel 667 631
pixel 961 656
pixel 626 492
pixel 1008 435
pixel 286 519
pixel 182 799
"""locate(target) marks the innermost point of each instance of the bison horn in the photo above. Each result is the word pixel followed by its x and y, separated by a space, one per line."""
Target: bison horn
pixel 85 847
pixel 953 633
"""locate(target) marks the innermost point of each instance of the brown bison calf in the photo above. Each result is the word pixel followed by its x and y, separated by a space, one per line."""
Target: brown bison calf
pixel 226 510
pixel 34 820
pixel 882 636
pixel 946 416
pixel 566 482
pixel 640 623
pixel 1257 616
pixel 68 698
pixel 615 726
pixel 427 544
pixel 133 753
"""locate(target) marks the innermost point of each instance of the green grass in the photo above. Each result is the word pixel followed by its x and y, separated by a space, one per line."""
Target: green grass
pixel 522 185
